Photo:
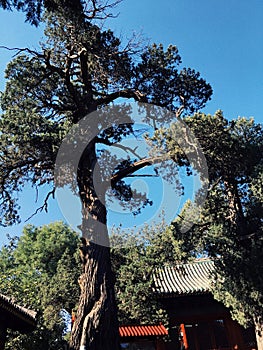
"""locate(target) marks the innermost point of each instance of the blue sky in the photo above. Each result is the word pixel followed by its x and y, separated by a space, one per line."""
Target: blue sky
pixel 223 40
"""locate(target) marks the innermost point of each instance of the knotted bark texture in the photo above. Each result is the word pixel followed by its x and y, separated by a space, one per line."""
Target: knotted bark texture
pixel 96 327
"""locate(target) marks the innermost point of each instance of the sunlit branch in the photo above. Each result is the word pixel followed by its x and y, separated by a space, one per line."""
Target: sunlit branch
pixel 127 93
pixel 136 166
pixel 118 145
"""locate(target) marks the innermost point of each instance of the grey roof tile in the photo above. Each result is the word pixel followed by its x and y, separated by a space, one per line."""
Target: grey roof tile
pixel 8 304
pixel 184 279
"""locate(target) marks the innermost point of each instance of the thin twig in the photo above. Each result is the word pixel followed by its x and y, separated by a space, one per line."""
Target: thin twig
pixel 44 206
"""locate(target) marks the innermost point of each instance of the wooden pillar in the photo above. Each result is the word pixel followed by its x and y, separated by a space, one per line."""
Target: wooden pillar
pixel 234 334
pixel 182 337
pixel 2 336
pixel 160 345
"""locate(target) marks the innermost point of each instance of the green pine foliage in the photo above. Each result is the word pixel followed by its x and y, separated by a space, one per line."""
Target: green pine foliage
pixel 230 226
pixel 34 9
pixel 80 68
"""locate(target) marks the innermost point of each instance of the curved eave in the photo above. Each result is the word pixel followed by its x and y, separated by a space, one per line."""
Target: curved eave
pixel 15 316
pixel 142 331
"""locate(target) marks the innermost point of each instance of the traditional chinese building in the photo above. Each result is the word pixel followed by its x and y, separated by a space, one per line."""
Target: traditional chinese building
pixel 196 320
pixel 14 317
pixel 201 321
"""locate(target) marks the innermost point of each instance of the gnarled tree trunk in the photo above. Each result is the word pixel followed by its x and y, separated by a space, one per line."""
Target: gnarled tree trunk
pixel 259 334
pixel 96 326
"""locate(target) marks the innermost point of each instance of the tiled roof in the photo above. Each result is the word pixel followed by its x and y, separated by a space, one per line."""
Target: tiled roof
pixel 18 311
pixel 186 279
pixel 142 331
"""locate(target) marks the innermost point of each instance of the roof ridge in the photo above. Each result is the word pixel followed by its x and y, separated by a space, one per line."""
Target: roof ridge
pixel 190 261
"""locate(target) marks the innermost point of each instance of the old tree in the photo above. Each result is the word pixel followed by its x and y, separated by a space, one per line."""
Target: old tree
pixel 81 68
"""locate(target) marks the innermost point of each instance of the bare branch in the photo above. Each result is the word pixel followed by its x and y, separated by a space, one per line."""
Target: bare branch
pixel 19 50
pixel 44 206
pixel 127 93
pixel 214 184
pixel 144 175
pixel 250 236
pixel 118 145
pixel 127 149
pixel 99 11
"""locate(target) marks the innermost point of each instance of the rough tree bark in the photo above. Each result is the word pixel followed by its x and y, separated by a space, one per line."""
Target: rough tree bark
pixel 259 334
pixel 96 325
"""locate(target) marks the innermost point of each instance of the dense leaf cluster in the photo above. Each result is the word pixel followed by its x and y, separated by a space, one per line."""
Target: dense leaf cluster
pixel 40 271
pixel 34 9
pixel 134 265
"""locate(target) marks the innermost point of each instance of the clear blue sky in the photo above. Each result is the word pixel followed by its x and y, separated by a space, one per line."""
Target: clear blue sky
pixel 221 39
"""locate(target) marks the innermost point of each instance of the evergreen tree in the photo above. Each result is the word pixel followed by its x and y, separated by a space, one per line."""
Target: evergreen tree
pixel 80 69
pixel 230 223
